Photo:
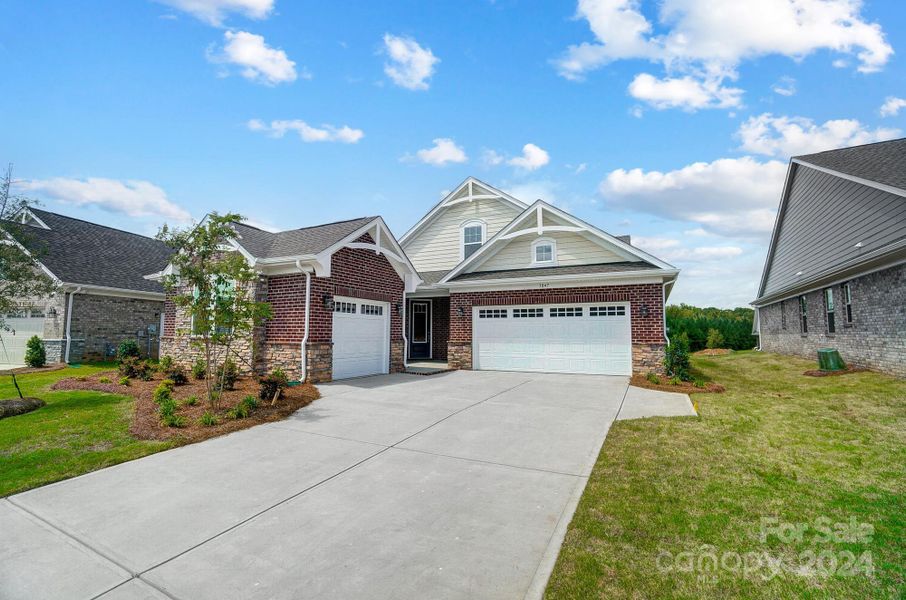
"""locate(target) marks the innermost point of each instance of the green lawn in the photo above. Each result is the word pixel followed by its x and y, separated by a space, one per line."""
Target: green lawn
pixel 75 433
pixel 668 494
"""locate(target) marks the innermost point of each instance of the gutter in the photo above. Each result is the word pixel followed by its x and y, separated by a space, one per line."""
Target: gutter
pixel 664 310
pixel 69 323
pixel 303 367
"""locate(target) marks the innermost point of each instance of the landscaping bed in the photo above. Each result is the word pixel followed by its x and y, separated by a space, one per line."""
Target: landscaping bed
pixel 146 421
pixel 680 387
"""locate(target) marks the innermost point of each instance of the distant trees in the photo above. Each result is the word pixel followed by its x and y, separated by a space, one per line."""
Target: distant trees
pixel 732 328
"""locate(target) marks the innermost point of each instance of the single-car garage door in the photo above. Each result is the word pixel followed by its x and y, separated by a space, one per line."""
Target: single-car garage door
pixel 555 338
pixel 23 325
pixel 361 337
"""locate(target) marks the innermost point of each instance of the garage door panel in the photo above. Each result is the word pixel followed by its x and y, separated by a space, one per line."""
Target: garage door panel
pixel 596 342
pixel 361 337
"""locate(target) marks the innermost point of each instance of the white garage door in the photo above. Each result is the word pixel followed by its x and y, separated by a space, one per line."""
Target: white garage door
pixel 361 337
pixel 555 338
pixel 22 328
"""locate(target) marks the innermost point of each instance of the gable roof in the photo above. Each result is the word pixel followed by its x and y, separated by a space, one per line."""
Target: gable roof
pixel 627 251
pixel 880 162
pixel 600 268
pixel 84 253
pixel 470 189
pixel 296 242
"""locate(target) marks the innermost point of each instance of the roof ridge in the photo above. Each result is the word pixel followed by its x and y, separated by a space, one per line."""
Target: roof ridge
pixel 324 224
pixel 900 139
pixel 49 212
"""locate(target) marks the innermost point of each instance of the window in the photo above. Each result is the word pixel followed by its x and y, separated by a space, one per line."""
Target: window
pixel 783 314
pixel 372 309
pixel 223 295
pixel 473 233
pixel 36 311
pixel 492 313
pixel 344 307
pixel 544 252
pixel 803 315
pixel 829 310
pixel 527 313
pixel 848 302
pixel 607 311
pixel 569 311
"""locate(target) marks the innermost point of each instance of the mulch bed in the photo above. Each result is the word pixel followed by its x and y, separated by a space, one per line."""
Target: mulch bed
pixel 713 352
pixel 24 370
pixel 846 371
pixel 19 406
pixel 146 421
pixel 686 387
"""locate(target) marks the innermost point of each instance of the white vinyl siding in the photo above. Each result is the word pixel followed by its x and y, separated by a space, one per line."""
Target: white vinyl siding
pixel 438 245
pixel 572 249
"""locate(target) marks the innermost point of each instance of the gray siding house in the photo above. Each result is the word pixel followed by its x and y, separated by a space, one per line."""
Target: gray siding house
pixel 102 295
pixel 835 274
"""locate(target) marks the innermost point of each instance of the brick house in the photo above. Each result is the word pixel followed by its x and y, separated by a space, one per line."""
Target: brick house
pixel 336 293
pixel 102 297
pixel 510 286
pixel 835 273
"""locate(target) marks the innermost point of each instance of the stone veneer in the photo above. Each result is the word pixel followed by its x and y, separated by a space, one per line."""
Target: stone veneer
pixel 647 331
pixel 875 339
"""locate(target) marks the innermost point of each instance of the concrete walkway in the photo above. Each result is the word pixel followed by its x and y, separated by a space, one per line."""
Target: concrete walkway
pixel 458 485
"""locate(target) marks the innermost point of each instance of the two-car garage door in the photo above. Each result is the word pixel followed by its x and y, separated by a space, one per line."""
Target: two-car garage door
pixel 361 337
pixel 555 338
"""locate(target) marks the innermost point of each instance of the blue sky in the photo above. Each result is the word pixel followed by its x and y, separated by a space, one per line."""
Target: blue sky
pixel 672 121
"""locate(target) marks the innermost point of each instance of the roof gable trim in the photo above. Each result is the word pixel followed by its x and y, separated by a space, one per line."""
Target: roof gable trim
pixel 868 182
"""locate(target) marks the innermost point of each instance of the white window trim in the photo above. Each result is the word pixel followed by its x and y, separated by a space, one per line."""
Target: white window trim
pixel 542 242
pixel 462 235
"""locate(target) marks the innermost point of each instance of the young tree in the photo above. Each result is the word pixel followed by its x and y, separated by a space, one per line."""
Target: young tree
pixel 715 339
pixel 213 284
pixel 21 277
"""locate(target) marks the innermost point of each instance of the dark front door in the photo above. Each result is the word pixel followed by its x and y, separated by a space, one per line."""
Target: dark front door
pixel 420 329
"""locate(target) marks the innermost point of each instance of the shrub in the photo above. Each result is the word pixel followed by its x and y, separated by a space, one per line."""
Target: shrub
pixel 653 378
pixel 227 374
pixel 208 419
pixel 250 402
pixel 715 339
pixel 127 348
pixel 676 359
pixel 164 392
pixel 190 401
pixel 199 369
pixel 167 407
pixel 698 383
pixel 124 381
pixel 177 374
pixel 81 378
pixel 103 379
pixel 166 362
pixel 240 411
pixel 133 366
pixel 147 371
pixel 675 381
pixel 272 386
pixel 35 355
pixel 173 421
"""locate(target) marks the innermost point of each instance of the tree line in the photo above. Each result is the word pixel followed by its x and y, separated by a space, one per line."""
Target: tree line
pixel 734 326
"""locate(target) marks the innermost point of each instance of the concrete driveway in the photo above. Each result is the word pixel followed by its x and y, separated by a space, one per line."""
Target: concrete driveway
pixel 458 485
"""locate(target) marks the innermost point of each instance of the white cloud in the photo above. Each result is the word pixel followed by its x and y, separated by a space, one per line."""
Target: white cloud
pixel 492 158
pixel 410 64
pixel 729 196
pixel 686 92
pixel 307 133
pixel 580 169
pixel 672 250
pixel 443 151
pixel 532 158
pixel 785 86
pixel 131 197
pixel 892 106
pixel 258 61
pixel 783 136
pixel 543 189
pixel 707 40
pixel 214 12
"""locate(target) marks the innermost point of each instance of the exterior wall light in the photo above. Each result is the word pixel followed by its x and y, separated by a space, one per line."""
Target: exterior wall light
pixel 399 308
pixel 327 299
pixel 643 310
pixel 460 311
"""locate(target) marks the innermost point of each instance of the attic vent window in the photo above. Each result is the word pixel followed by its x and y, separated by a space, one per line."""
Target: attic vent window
pixel 473 234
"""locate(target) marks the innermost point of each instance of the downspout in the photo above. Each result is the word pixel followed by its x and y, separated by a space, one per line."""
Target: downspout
pixel 664 310
pixel 758 318
pixel 403 329
pixel 69 323
pixel 303 367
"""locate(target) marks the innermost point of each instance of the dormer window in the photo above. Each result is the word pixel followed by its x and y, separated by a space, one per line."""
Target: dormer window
pixel 473 233
pixel 544 252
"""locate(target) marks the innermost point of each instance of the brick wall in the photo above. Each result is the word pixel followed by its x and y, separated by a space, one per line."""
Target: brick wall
pixel 440 328
pixel 102 322
pixel 647 331
pixel 876 339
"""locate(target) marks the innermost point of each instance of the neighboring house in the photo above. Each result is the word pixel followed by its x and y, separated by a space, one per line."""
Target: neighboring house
pixel 336 294
pixel 835 274
pixel 102 297
pixel 516 287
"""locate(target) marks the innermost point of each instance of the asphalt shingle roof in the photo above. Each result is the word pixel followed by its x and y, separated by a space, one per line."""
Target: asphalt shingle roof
pixel 432 277
pixel 86 253
pixel 614 267
pixel 881 162
pixel 307 240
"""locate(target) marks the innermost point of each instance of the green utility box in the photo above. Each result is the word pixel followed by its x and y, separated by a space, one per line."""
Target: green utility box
pixel 829 360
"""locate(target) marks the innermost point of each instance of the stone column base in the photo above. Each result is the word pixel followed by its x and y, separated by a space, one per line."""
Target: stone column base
pixel 397 364
pixel 284 356
pixel 320 362
pixel 459 355
pixel 648 358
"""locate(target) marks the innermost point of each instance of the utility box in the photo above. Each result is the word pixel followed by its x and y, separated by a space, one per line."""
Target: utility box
pixel 829 360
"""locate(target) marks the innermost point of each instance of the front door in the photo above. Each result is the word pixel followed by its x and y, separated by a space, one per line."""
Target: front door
pixel 420 329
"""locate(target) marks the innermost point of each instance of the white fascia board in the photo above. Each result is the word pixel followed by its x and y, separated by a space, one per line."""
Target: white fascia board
pixel 100 290
pixel 448 201
pixel 574 280
pixel 27 211
pixel 880 186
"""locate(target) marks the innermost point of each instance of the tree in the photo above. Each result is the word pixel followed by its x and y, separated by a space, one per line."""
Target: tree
pixel 715 339
pixel 35 355
pixel 21 277
pixel 213 284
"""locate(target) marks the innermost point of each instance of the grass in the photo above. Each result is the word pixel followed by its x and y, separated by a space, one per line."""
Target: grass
pixel 77 432
pixel 776 445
